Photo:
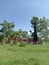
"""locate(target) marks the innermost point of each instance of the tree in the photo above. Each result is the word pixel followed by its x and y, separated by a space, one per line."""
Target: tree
pixel 40 26
pixel 6 29
pixel 34 24
pixel 43 28
pixel 24 34
pixel 16 34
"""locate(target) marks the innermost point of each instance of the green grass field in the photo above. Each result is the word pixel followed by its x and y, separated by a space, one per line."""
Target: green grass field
pixel 27 55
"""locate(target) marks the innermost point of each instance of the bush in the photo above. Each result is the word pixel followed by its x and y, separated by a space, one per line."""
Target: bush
pixel 14 42
pixel 11 44
pixel 22 44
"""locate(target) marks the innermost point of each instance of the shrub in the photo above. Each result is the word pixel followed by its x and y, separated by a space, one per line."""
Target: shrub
pixel 22 44
pixel 11 44
pixel 14 42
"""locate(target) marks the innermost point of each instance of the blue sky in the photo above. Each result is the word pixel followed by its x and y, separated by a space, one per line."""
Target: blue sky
pixel 21 11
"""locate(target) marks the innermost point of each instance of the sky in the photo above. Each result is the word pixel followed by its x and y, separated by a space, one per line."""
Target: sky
pixel 22 11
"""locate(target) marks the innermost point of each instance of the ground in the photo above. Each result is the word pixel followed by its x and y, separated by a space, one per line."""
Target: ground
pixel 27 55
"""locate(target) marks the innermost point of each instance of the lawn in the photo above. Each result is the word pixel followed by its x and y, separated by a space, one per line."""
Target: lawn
pixel 27 55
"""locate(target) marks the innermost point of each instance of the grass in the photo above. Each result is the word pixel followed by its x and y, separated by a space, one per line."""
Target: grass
pixel 26 55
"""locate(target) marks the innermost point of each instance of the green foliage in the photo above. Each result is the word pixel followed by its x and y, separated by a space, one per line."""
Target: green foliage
pixel 34 23
pixel 24 34
pixel 7 28
pixel 41 27
pixel 16 34
pixel 14 42
pixel 22 44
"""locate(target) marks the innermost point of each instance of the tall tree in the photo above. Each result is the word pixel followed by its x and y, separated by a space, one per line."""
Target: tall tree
pixel 40 26
pixel 34 24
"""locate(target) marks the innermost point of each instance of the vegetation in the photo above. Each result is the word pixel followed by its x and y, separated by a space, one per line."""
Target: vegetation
pixel 26 55
pixel 23 53
pixel 22 44
pixel 34 22
pixel 6 30
pixel 40 26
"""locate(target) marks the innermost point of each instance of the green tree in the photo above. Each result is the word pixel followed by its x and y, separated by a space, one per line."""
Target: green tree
pixel 24 34
pixel 16 34
pixel 43 28
pixel 6 29
pixel 34 22
pixel 40 26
